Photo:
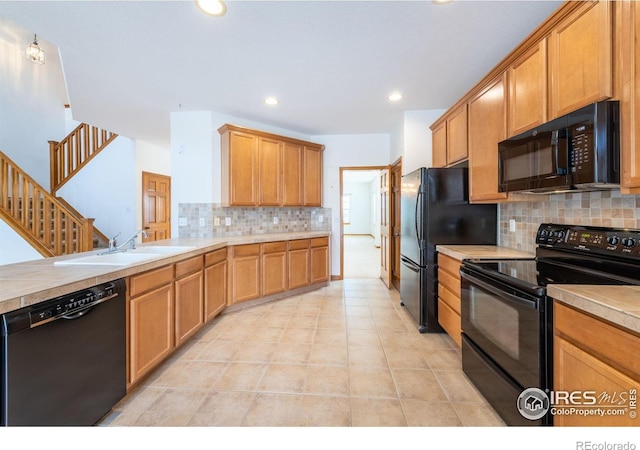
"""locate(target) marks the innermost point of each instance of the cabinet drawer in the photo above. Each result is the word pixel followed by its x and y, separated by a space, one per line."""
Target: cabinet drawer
pixel 188 266
pixel 449 264
pixel 449 281
pixel 274 247
pixel 153 279
pixel 298 244
pixel 215 257
pixel 320 242
pixel 450 321
pixel 609 343
pixel 452 299
pixel 246 250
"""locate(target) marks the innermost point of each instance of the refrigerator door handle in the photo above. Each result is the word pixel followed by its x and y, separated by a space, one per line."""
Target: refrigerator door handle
pixel 409 264
pixel 419 238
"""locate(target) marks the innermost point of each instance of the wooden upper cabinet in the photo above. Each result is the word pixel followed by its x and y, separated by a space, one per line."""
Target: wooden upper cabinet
pixel 313 175
pixel 457 142
pixel 263 169
pixel 240 169
pixel 528 90
pixel 292 167
pixel 487 127
pixel 580 58
pixel 269 170
pixel 439 144
pixel 628 61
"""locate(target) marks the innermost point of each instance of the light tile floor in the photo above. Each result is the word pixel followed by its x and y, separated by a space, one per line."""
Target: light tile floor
pixel 345 355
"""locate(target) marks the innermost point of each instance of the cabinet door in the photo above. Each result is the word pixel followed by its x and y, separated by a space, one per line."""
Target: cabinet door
pixel 298 263
pixel 628 61
pixel 243 169
pixel 312 176
pixel 215 283
pixel 189 306
pixel 269 172
pixel 150 330
pixel 580 50
pixel 274 268
pixel 319 261
pixel 439 145
pixel 292 165
pixel 487 127
pixel 578 371
pixel 245 273
pixel 457 138
pixel 528 90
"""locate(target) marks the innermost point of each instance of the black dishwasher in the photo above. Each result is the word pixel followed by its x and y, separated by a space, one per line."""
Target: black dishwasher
pixel 64 360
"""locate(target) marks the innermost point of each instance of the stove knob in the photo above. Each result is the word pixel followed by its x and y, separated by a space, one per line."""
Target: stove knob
pixel 628 242
pixel 613 240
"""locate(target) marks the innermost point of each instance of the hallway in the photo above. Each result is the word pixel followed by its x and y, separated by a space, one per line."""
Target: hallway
pixel 361 257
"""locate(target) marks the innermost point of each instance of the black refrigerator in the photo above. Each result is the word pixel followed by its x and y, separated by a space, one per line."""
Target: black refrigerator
pixel 435 209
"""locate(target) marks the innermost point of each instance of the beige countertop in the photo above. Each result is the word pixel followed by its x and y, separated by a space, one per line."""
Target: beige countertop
pixel 30 282
pixel 481 252
pixel 617 304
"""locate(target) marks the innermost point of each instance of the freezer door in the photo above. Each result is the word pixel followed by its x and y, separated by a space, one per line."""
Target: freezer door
pixel 412 216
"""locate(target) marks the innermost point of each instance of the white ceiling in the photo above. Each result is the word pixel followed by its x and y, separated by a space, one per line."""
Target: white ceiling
pixel 129 64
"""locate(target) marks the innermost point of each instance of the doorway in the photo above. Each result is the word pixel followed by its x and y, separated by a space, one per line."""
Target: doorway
pixel 363 234
pixel 156 206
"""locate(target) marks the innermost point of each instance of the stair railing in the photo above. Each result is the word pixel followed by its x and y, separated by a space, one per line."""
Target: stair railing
pixel 38 216
pixel 75 151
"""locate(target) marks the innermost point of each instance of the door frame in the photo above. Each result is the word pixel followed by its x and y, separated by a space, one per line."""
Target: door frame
pixel 395 206
pixel 342 170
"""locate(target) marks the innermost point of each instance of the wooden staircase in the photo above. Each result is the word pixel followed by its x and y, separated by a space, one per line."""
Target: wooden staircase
pixel 50 224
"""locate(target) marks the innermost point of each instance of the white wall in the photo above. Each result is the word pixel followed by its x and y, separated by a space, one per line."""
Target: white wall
pixel 32 99
pixel 346 151
pixel 417 139
pixel 361 210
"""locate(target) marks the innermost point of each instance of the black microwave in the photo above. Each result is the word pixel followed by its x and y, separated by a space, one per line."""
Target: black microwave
pixel 578 151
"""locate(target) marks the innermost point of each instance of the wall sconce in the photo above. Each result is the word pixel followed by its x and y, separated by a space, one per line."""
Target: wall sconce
pixel 34 53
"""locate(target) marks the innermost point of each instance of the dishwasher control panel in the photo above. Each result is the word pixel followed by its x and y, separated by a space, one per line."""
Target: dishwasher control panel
pixel 70 305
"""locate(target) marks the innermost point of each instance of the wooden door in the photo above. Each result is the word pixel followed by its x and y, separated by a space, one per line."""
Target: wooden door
pixel 580 50
pixel 245 272
pixel 487 127
pixel 215 283
pixel 312 176
pixel 269 169
pixel 396 183
pixel 528 90
pixel 385 226
pixel 156 206
pixel 292 163
pixel 439 145
pixel 457 140
pixel 189 300
pixel 298 263
pixel 243 169
pixel 274 268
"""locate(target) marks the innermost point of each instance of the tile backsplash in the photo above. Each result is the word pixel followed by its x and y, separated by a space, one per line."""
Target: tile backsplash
pixel 249 220
pixel 600 208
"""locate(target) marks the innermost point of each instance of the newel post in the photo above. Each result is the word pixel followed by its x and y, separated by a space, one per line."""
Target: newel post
pixel 53 166
pixel 86 240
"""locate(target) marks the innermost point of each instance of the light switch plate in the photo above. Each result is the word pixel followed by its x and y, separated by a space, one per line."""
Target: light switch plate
pixel 512 225
pixel 216 221
pixel 320 218
pixel 227 221
pixel 201 222
pixel 275 221
pixel 182 221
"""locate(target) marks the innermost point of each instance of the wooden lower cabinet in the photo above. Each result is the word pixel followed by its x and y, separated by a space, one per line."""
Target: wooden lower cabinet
pixel 274 267
pixel 151 320
pixel 298 262
pixel 319 260
pixel 449 297
pixel 598 358
pixel 189 301
pixel 245 276
pixel 215 283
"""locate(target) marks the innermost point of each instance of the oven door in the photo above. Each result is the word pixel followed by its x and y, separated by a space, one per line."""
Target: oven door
pixel 506 325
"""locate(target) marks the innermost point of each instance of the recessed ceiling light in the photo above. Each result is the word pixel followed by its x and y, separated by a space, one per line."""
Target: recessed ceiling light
pixel 271 101
pixel 394 97
pixel 441 2
pixel 212 7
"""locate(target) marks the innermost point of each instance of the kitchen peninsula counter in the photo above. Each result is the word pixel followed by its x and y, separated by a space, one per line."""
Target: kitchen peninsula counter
pixel 461 252
pixel 31 282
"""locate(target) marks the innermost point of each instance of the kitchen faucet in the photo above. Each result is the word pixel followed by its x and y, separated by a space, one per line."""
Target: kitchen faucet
pixel 129 244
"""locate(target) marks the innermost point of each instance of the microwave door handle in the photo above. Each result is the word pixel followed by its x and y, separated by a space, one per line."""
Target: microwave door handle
pixel 557 137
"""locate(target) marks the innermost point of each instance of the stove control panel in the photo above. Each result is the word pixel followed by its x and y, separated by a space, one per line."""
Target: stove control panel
pixel 605 241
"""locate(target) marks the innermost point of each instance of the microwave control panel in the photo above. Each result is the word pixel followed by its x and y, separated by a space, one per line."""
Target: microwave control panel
pixel 581 150
pixel 604 241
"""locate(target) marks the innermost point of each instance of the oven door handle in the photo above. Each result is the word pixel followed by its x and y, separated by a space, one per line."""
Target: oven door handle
pixel 499 292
